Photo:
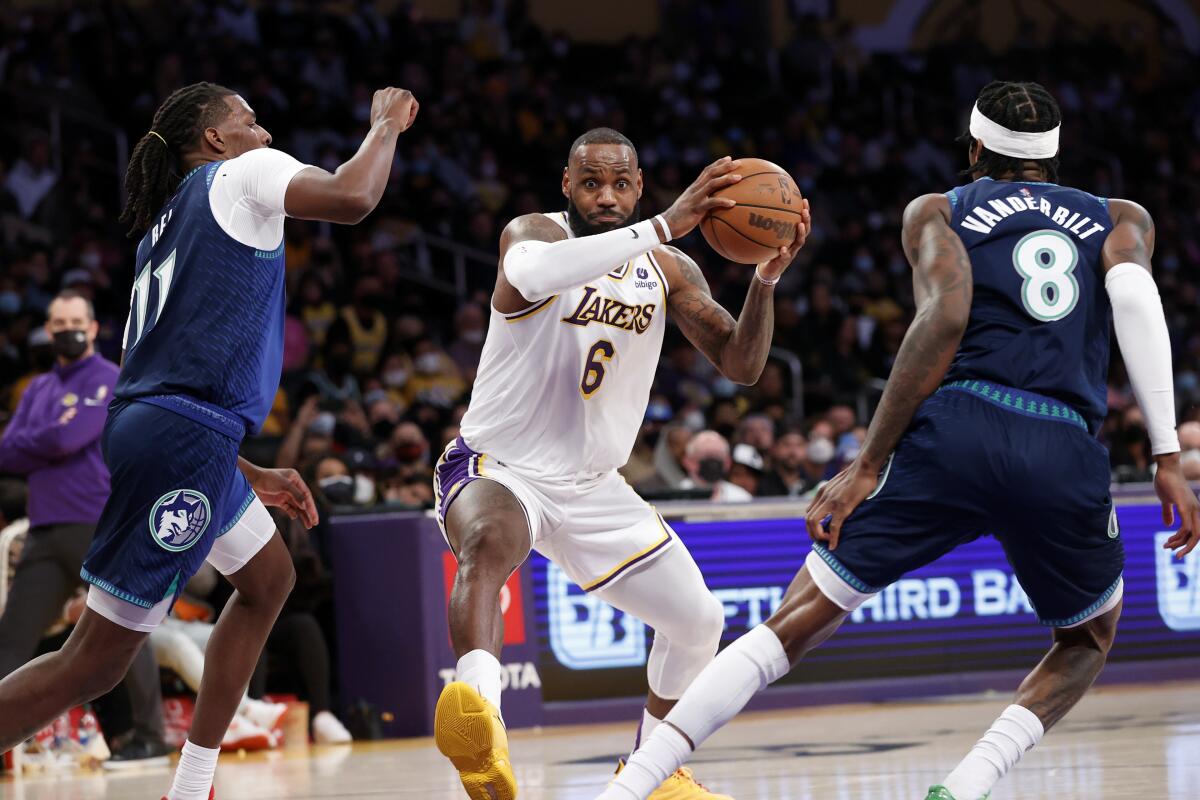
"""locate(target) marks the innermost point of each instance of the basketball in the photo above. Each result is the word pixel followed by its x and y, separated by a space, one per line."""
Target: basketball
pixel 764 219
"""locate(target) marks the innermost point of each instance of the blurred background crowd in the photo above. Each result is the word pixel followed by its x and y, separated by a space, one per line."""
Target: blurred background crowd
pixel 387 319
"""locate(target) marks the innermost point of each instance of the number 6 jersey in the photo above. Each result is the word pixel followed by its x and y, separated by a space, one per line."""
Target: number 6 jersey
pixel 563 384
pixel 206 318
pixel 1040 316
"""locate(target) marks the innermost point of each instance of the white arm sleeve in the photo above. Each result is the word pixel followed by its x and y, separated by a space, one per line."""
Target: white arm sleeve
pixel 246 196
pixel 542 269
pixel 1146 347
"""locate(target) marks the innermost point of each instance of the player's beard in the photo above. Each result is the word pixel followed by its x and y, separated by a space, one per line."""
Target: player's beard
pixel 580 226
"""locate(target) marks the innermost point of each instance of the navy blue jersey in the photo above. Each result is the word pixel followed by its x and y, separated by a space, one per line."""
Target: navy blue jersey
pixel 207 314
pixel 1040 316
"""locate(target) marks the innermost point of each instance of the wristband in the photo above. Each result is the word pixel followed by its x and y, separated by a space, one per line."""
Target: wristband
pixel 763 280
pixel 666 228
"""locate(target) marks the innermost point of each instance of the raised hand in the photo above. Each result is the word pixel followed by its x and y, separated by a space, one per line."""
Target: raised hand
pixel 697 200
pixel 771 270
pixel 395 105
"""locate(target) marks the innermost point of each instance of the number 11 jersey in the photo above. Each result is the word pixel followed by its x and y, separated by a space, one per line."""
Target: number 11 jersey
pixel 205 329
pixel 1040 316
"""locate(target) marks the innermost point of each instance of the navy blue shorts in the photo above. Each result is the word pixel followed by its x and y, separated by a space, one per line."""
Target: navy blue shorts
pixel 176 487
pixel 983 459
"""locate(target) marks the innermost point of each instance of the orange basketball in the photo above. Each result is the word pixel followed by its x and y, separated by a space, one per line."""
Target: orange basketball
pixel 764 219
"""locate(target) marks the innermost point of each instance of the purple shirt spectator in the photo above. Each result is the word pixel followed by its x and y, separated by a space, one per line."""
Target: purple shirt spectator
pixel 54 440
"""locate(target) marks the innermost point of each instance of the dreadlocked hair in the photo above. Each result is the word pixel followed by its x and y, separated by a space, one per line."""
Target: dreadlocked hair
pixel 1025 107
pixel 156 165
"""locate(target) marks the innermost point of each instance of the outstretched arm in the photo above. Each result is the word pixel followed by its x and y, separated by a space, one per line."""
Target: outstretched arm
pixel 943 288
pixel 351 192
pixel 1145 345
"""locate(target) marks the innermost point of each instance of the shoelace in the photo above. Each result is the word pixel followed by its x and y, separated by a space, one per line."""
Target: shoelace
pixel 686 774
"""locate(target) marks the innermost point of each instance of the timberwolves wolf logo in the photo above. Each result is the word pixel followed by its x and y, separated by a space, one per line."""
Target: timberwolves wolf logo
pixel 1178 587
pixel 179 519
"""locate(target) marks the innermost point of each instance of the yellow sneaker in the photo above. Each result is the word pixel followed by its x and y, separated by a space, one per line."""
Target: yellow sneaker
pixel 682 785
pixel 468 731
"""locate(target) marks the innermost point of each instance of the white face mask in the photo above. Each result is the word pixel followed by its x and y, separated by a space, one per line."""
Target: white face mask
pixel 428 363
pixel 364 490
pixel 820 450
pixel 395 378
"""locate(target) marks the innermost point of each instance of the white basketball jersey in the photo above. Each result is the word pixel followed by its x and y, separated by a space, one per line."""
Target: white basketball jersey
pixel 563 385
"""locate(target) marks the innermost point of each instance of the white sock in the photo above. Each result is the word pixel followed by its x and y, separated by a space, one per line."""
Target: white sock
pixel 1016 730
pixel 649 723
pixel 194 775
pixel 663 752
pixel 719 692
pixel 480 669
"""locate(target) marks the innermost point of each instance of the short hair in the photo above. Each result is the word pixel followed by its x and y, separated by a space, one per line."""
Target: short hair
pixel 71 294
pixel 1025 107
pixel 602 136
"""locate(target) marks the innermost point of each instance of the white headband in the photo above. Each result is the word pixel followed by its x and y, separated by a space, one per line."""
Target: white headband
pixel 1017 144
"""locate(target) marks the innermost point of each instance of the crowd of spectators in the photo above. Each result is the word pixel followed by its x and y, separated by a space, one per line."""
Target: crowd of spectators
pixel 381 355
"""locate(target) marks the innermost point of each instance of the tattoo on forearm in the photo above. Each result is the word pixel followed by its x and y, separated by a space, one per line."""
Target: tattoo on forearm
pixel 738 348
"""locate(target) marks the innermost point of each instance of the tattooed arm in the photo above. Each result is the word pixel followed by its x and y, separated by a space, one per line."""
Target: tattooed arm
pixel 943 288
pixel 737 348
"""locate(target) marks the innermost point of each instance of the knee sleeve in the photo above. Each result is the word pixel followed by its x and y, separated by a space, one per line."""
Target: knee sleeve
pixel 683 648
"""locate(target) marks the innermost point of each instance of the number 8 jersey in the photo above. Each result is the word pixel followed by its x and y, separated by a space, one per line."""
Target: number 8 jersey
pixel 206 319
pixel 1040 316
pixel 563 385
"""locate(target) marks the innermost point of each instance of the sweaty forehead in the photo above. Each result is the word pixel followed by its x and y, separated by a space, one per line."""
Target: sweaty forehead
pixel 603 158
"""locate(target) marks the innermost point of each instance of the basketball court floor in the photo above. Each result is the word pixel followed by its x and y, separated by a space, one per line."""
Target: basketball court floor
pixel 1121 742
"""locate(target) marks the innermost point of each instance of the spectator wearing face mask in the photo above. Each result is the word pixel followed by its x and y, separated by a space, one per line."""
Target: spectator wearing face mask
pixel 708 461
pixel 397 369
pixel 334 483
pixel 435 380
pixel 1130 454
pixel 819 455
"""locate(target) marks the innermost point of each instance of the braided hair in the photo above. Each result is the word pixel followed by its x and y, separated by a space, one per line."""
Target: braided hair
pixel 156 165
pixel 1025 107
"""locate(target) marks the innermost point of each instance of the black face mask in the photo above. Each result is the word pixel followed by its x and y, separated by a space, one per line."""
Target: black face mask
pixel 70 344
pixel 338 489
pixel 711 470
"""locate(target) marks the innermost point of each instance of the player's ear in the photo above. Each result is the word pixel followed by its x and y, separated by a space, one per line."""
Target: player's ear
pixel 639 183
pixel 974 150
pixel 213 138
pixel 566 182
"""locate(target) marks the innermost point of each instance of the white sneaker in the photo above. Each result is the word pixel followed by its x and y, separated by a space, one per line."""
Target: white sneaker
pixel 245 735
pixel 267 716
pixel 328 729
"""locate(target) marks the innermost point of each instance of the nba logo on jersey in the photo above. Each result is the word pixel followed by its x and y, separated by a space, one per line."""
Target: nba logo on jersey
pixel 587 633
pixel 179 519
pixel 1178 587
